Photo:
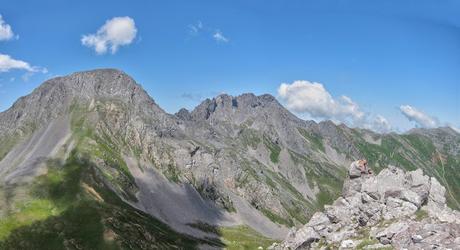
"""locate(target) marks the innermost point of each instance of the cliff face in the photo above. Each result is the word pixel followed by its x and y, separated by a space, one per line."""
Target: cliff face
pixel 402 210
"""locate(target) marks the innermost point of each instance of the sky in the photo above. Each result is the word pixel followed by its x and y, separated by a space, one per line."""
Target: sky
pixel 383 65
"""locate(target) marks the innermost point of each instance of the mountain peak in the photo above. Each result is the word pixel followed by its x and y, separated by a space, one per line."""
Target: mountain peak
pixel 226 105
pixel 55 96
pixel 98 82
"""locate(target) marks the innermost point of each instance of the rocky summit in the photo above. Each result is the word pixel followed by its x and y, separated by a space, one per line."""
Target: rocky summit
pixel 392 210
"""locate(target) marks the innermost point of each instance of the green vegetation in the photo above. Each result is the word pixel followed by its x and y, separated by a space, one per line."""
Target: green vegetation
pixel 363 234
pixel 283 182
pixel 328 178
pixel 313 138
pixel 422 145
pixel 366 242
pixel 8 141
pixel 227 204
pixel 276 218
pixel 26 214
pixel 296 211
pixel 420 215
pixel 237 237
pixel 247 174
pixel 172 173
pixel 451 176
pixel 101 146
pixel 330 188
pixel 50 196
pixel 7 144
pixel 391 151
pixel 72 207
pixel 249 137
pixel 243 237
pixel 274 149
pixel 324 198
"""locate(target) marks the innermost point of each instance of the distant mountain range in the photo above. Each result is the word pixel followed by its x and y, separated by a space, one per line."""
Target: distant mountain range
pixel 90 161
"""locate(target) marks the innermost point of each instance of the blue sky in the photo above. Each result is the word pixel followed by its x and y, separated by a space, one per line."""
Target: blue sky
pixel 394 59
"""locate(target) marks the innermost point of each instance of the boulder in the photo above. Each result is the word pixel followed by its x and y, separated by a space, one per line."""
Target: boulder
pixel 370 186
pixel 437 192
pixel 412 197
pixel 389 232
pixel 354 173
pixel 396 208
pixel 417 238
pixel 301 238
pixel 348 244
pixel 319 218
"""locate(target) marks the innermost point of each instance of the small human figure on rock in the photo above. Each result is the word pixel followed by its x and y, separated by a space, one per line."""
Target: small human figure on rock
pixel 359 168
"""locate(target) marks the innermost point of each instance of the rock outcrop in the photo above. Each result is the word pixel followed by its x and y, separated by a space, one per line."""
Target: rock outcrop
pixel 394 209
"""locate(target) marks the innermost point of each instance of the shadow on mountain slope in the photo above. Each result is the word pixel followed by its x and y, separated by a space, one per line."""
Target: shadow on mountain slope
pixel 73 208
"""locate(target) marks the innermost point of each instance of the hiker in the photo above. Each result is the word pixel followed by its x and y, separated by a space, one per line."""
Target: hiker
pixel 358 168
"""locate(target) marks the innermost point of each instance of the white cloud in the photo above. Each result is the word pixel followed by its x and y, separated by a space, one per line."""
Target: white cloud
pixel 7 63
pixel 194 29
pixel 312 98
pixel 199 28
pixel 380 124
pixel 116 32
pixel 6 33
pixel 421 119
pixel 219 37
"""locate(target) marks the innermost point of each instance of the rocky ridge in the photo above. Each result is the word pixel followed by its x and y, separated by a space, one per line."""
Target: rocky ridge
pixel 394 209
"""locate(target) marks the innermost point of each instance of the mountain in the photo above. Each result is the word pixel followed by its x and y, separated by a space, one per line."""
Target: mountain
pixel 393 210
pixel 94 145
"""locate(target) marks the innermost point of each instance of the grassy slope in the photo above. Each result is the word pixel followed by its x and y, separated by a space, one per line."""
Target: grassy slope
pixel 72 207
pixel 237 237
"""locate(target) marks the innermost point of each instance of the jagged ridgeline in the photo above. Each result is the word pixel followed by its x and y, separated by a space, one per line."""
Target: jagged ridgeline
pixel 90 161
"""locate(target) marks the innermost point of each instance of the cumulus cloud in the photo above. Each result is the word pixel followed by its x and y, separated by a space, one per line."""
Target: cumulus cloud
pixel 312 98
pixel 420 118
pixel 8 63
pixel 116 32
pixel 219 37
pixel 6 33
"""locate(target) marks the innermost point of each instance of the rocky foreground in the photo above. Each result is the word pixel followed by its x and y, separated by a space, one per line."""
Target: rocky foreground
pixel 394 209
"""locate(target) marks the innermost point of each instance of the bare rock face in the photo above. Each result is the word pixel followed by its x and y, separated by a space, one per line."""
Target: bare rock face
pixel 393 209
